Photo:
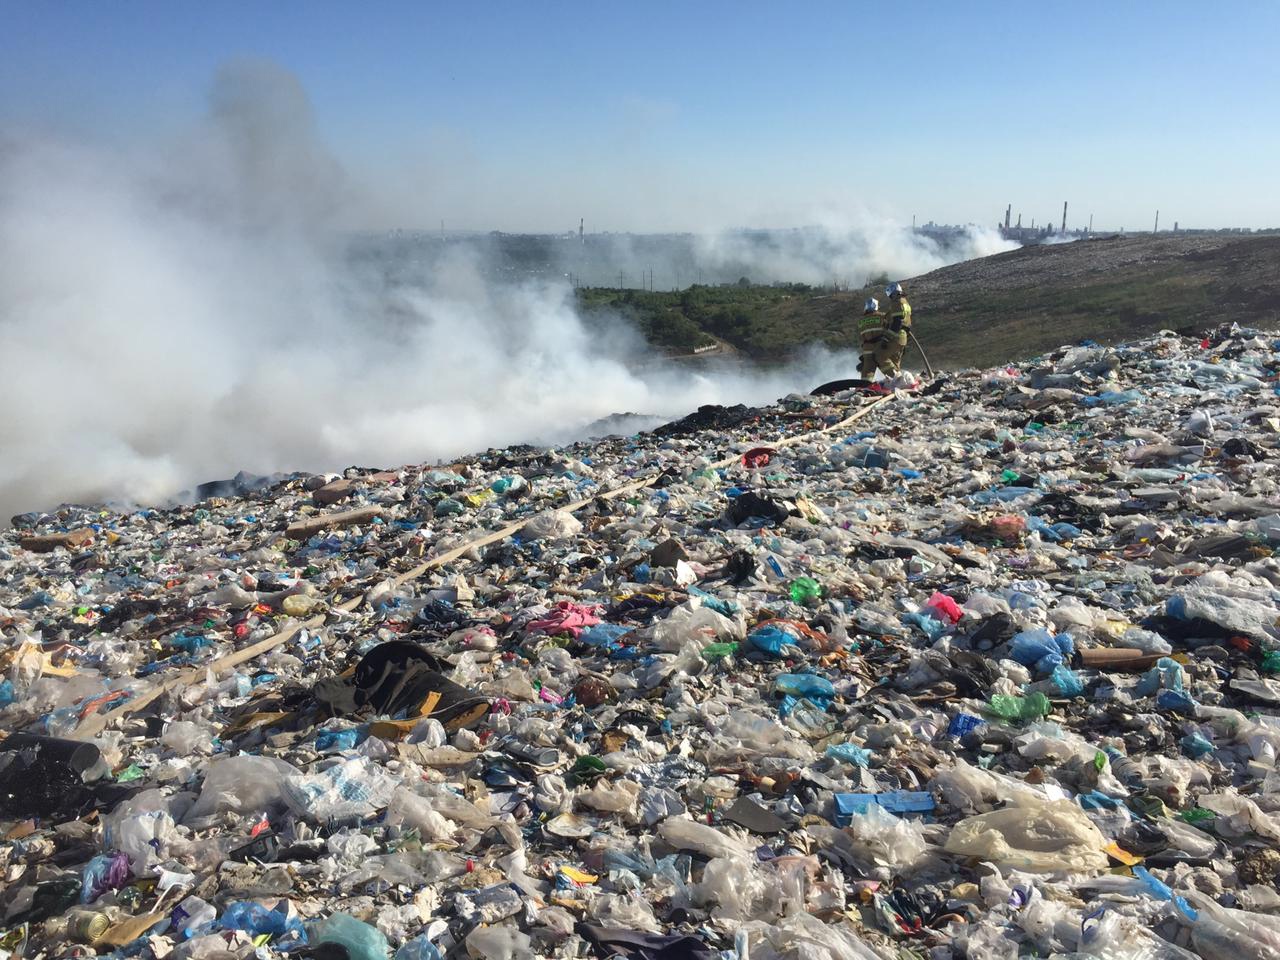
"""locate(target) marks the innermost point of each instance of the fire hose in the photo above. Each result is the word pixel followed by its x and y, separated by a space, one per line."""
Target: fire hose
pixel 923 356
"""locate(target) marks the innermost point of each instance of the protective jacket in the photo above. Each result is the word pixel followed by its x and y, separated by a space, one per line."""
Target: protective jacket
pixel 899 321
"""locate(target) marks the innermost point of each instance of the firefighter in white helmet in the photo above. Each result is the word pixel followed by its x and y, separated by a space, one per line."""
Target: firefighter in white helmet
pixel 871 328
pixel 884 335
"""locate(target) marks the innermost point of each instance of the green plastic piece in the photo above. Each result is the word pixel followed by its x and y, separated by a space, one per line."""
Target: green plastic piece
pixel 805 590
pixel 1031 707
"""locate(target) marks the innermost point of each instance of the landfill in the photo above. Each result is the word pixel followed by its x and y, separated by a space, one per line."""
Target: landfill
pixel 985 668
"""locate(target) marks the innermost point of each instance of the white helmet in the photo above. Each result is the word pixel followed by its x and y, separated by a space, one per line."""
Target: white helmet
pixel 893 290
pixel 871 306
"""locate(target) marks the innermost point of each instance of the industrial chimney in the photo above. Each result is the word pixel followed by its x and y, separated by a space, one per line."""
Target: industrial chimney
pixel 1064 216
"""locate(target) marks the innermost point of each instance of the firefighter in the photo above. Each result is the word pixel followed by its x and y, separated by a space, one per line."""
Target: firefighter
pixel 871 331
pixel 897 330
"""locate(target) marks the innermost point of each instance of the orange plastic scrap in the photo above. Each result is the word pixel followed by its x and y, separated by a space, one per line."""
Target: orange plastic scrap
pixel 91 706
pixel 833 658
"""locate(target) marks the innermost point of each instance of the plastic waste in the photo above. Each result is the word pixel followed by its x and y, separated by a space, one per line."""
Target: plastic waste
pixel 1013 708
pixel 1037 836
pixel 653 693
pixel 361 941
pixel 805 590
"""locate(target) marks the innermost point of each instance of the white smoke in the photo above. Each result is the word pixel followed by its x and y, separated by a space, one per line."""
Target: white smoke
pixel 843 250
pixel 173 316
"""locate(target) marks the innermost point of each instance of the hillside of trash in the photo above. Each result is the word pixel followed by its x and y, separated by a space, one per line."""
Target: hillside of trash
pixel 989 668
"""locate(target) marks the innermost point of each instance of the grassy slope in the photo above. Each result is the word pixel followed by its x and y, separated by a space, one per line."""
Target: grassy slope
pixel 1006 307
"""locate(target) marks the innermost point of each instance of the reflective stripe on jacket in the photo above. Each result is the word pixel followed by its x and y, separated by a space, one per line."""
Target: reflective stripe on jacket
pixel 872 323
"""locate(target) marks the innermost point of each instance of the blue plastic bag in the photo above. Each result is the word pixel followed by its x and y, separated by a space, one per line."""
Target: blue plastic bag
pixel 1161 891
pixel 603 634
pixel 339 739
pixel 256 919
pixel 770 640
pixel 1065 679
pixel 931 627
pixel 1195 746
pixel 808 685
pixel 849 753
pixel 1041 649
pixel 1165 675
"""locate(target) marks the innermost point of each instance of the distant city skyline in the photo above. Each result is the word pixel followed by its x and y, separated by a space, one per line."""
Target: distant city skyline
pixel 674 118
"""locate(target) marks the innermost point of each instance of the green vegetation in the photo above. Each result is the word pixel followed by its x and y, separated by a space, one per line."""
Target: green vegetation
pixel 742 315
pixel 984 312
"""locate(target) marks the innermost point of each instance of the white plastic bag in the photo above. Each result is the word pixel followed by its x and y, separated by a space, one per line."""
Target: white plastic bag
pixel 685 834
pixel 241 784
pixel 1039 836
pixel 551 525
pixel 352 788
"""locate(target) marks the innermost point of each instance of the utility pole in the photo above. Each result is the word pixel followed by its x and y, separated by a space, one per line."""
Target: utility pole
pixel 620 276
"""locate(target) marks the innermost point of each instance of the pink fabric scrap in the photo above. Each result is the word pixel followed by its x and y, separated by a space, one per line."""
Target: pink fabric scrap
pixel 566 617
pixel 944 608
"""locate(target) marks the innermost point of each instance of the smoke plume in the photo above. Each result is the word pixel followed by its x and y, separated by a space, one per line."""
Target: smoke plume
pixel 174 314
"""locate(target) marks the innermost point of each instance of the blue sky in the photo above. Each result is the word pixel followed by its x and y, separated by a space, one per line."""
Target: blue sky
pixel 658 116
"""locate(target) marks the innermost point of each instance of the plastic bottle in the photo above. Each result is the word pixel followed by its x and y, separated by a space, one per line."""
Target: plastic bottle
pixel 192 914
pixel 419 948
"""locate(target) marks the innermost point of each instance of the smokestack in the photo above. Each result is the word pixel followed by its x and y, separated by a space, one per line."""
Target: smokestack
pixel 581 238
pixel 1019 221
pixel 1008 211
pixel 1064 216
pixel 1156 228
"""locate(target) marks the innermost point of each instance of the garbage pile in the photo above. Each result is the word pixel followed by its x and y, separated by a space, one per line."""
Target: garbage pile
pixel 988 669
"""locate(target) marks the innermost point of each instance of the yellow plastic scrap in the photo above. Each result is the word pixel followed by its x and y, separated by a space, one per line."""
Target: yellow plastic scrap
pixel 1116 852
pixel 578 876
